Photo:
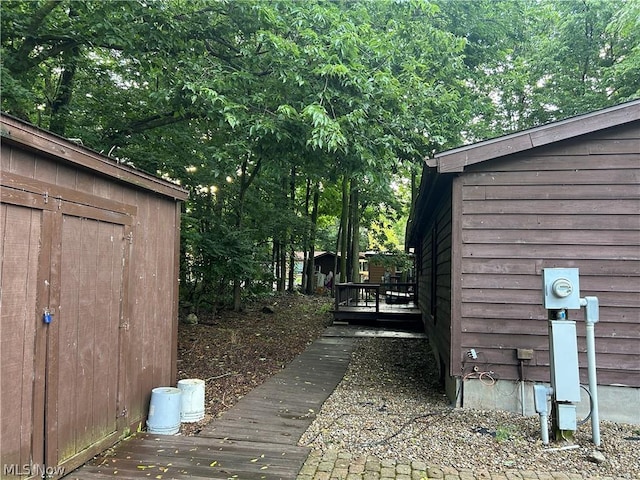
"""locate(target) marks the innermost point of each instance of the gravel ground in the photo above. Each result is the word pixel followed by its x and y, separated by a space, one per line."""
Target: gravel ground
pixel 390 405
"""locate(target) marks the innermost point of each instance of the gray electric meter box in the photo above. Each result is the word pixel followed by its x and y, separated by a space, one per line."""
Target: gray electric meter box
pixel 561 287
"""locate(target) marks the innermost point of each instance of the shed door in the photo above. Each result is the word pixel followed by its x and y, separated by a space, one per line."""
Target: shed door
pixel 20 229
pixel 60 383
pixel 83 340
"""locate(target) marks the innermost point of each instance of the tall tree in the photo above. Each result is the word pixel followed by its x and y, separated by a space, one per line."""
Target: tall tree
pixel 212 93
pixel 530 62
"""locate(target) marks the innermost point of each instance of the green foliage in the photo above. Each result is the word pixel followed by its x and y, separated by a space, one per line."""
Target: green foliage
pixel 531 62
pixel 251 104
pixel 505 432
pixel 395 260
pixel 623 75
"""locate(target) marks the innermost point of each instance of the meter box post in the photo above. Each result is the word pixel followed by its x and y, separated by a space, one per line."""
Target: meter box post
pixel 561 287
pixel 561 292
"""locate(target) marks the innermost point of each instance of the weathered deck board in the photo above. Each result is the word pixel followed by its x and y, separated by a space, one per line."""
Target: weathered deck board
pixel 337 330
pixel 196 457
pixel 392 315
pixel 256 439
pixel 281 410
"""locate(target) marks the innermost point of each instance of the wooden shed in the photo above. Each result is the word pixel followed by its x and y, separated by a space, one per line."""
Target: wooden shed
pixel 490 216
pixel 93 246
pixel 325 262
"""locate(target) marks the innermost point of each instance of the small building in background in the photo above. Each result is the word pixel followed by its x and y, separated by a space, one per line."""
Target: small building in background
pixel 324 262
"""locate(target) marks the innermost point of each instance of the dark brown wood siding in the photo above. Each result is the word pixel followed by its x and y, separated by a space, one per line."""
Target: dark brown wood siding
pixel 572 204
pixel 434 281
pixel 101 254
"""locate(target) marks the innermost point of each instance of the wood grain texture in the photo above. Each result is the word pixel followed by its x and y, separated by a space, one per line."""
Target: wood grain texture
pixel 20 229
pixel 256 439
pixel 85 382
pixel 573 201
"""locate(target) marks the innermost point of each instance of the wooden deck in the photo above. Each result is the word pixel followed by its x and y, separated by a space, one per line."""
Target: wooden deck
pixel 256 439
pixel 377 305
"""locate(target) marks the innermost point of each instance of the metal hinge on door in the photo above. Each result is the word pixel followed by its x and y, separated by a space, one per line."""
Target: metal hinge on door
pixel 129 237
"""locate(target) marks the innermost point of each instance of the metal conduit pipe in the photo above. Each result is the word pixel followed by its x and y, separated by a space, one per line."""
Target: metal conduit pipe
pixel 592 316
pixel 540 395
pixel 544 428
pixel 522 387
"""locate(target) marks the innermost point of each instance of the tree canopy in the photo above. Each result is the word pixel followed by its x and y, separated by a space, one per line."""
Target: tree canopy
pixel 298 125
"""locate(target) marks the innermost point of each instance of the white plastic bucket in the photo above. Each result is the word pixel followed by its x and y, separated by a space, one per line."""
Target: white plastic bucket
pixel 192 399
pixel 164 411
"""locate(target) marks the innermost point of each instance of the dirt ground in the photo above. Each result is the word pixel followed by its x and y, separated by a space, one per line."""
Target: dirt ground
pixel 235 352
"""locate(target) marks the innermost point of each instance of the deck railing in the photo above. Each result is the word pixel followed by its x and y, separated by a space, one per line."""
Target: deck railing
pixel 368 295
pixel 399 292
pixel 358 295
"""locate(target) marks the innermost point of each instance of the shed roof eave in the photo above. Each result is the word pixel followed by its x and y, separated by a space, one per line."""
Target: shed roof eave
pixel 21 133
pixel 457 159
pixel 431 162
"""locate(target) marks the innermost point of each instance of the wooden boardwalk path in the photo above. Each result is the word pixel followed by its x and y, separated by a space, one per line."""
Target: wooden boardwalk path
pixel 256 439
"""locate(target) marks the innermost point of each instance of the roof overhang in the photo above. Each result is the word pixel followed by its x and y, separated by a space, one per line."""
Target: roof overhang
pixel 458 159
pixel 30 137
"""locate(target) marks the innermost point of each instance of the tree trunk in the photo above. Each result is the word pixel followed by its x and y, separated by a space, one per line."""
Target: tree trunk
pixel 292 249
pixel 307 234
pixel 355 233
pixel 275 262
pixel 414 194
pixel 312 239
pixel 245 181
pixel 60 104
pixel 344 220
pixel 349 240
pixel 283 267
pixel 336 264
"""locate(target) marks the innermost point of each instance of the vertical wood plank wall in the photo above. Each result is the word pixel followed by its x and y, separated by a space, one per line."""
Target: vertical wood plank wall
pixel 434 279
pixel 152 325
pixel 87 334
pixel 20 228
pixel 573 204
